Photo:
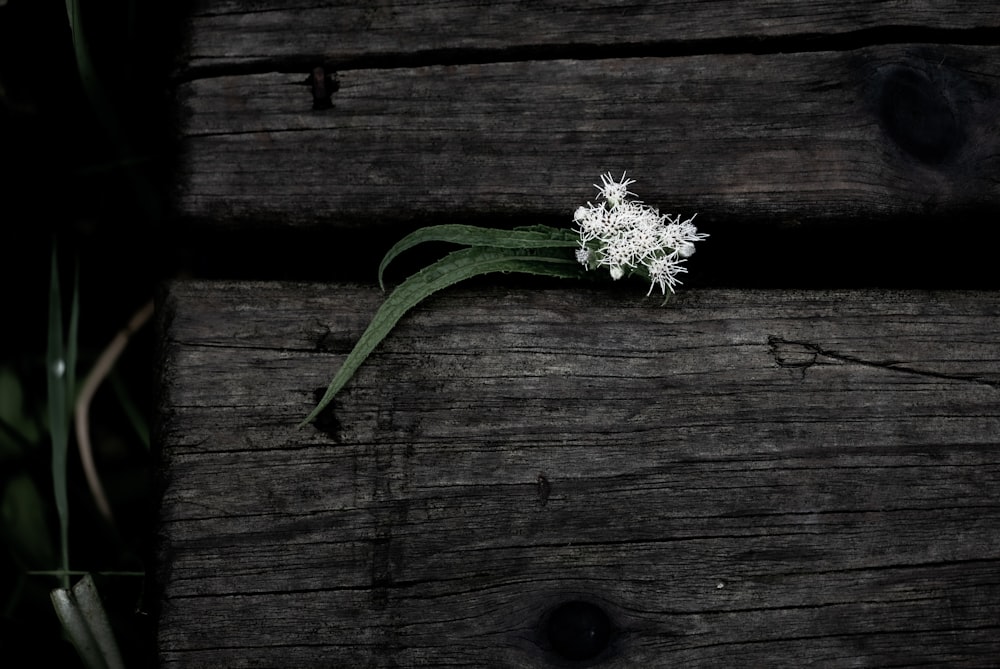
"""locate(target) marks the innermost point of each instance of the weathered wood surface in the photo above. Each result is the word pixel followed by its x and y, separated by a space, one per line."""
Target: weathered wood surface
pixel 230 34
pixel 788 136
pixel 472 120
pixel 741 478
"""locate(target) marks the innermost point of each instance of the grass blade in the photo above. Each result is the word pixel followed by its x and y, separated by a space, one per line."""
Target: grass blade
pixel 104 111
pixel 58 393
pixel 535 237
pixel 447 271
pixel 72 342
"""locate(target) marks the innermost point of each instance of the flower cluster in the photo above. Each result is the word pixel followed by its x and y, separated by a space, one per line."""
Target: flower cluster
pixel 629 237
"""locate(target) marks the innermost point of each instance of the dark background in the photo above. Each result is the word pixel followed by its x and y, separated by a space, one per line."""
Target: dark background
pixel 91 184
pixel 94 185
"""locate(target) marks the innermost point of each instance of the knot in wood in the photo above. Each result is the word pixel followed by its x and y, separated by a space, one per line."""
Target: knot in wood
pixel 578 630
pixel 919 114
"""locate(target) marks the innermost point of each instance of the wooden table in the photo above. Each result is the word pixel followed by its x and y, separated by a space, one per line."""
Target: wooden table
pixel 795 462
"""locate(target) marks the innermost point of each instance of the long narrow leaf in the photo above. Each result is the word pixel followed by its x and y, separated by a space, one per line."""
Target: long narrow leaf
pixel 535 237
pixel 447 271
pixel 103 109
pixel 88 74
pixel 72 342
pixel 58 393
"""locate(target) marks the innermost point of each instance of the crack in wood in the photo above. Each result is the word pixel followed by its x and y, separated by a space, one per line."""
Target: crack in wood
pixel 727 45
pixel 818 523
pixel 242 347
pixel 803 355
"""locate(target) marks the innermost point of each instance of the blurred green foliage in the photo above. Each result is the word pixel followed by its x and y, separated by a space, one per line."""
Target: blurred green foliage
pixel 86 173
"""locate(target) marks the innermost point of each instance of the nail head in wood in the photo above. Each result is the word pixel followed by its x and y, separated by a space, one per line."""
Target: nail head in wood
pixel 323 87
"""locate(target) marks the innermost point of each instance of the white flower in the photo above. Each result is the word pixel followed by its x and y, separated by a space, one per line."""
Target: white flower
pixel 627 236
pixel 664 271
pixel 614 191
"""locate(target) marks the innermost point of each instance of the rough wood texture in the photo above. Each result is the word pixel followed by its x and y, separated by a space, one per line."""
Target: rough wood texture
pixel 885 131
pixel 742 478
pixel 228 33
pixel 461 108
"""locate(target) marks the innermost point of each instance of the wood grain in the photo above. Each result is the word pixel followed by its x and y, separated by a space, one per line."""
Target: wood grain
pixel 897 132
pixel 741 478
pixel 224 33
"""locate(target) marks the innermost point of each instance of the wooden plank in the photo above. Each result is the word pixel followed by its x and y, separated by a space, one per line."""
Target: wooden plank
pixel 894 132
pixel 224 33
pixel 746 478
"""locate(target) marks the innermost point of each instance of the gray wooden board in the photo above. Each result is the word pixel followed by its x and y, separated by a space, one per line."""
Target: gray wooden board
pixel 228 33
pixel 740 478
pixel 904 131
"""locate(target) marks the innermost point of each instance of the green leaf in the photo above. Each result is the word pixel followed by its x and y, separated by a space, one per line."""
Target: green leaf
pixel 55 367
pixel 534 237
pixel 18 431
pixel 104 110
pixel 24 527
pixel 456 266
pixel 60 363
